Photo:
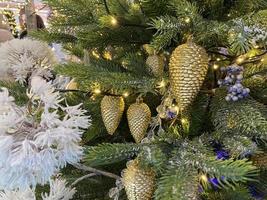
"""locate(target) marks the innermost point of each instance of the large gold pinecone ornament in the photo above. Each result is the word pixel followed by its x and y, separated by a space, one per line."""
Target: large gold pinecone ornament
pixel 156 64
pixel 260 160
pixel 139 117
pixel 112 108
pixel 188 68
pixel 139 183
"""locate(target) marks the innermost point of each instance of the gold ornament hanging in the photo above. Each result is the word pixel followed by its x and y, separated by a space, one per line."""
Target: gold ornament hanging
pixel 139 183
pixel 188 69
pixel 139 117
pixel 156 64
pixel 112 108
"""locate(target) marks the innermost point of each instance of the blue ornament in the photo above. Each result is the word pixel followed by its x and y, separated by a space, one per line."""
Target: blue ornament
pixel 222 154
pixel 214 182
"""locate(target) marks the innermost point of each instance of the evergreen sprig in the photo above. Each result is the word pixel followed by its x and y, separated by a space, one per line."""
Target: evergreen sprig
pixel 246 117
pixel 177 183
pixel 104 154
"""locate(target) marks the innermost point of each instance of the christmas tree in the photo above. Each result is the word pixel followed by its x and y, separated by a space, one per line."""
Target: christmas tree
pixel 176 92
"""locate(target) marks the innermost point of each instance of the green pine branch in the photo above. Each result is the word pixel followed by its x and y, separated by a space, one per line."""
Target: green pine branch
pixel 246 117
pixel 177 183
pixel 230 172
pixel 105 154
pixel 107 78
pixel 239 146
pixel 240 192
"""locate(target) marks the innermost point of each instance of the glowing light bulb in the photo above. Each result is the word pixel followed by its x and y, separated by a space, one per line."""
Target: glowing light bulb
pixel 107 55
pixel 183 120
pixel 187 20
pixel 232 35
pixel 97 91
pixel 215 66
pixel 204 178
pixel 240 60
pixel 162 84
pixel 125 94
pixel 114 21
pixel 218 59
pixel 95 54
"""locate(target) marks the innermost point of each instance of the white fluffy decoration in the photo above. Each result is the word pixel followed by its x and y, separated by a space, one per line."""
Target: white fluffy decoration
pixel 19 59
pixel 38 139
pixel 58 191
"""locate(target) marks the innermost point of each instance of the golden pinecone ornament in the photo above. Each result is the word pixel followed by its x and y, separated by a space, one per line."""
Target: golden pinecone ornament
pixel 139 117
pixel 188 69
pixel 260 160
pixel 112 108
pixel 156 64
pixel 139 183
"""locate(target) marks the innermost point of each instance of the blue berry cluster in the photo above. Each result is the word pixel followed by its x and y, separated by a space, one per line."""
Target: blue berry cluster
pixel 233 81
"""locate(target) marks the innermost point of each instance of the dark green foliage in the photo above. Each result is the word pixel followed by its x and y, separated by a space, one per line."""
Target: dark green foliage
pixel 199 116
pixel 102 37
pixel 111 77
pixel 153 8
pixel 229 194
pixel 54 36
pixel 246 117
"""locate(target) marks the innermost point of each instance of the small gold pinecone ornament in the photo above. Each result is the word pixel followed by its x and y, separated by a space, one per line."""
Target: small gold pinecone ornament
pixel 156 64
pixel 260 160
pixel 139 183
pixel 139 117
pixel 112 108
pixel 188 69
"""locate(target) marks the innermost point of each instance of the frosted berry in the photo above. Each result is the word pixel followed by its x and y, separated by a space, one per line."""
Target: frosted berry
pixel 233 81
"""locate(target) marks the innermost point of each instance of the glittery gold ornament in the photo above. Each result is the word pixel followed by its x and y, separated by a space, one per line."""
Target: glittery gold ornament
pixel 260 160
pixel 138 116
pixel 139 183
pixel 112 108
pixel 156 64
pixel 188 69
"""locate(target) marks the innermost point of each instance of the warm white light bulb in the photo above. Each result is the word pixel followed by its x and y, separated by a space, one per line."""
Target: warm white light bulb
pixel 97 91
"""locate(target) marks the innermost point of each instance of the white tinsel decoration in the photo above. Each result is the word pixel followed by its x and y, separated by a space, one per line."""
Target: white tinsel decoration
pixel 37 140
pixel 58 191
pixel 19 59
pixel 27 194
